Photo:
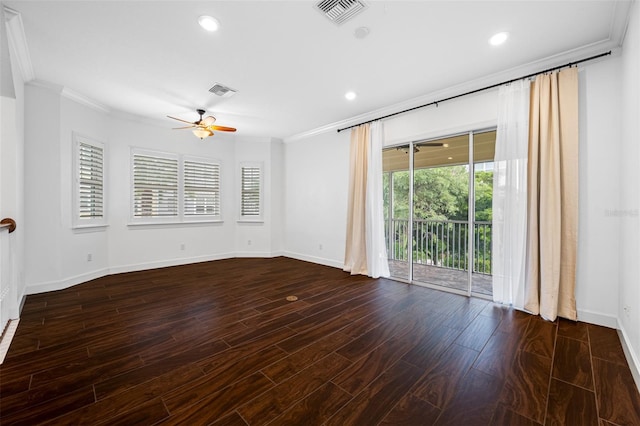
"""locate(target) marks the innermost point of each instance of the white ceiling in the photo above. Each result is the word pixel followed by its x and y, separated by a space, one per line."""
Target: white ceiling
pixel 290 64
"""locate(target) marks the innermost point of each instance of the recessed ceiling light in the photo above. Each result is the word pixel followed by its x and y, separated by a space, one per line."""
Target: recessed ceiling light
pixel 498 39
pixel 449 158
pixel 209 23
pixel 445 145
pixel 350 96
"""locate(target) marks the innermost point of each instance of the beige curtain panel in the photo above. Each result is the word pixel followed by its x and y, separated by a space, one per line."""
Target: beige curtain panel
pixel 552 222
pixel 355 257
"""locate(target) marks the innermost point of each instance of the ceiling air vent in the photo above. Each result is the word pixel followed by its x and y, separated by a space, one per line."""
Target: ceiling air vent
pixel 340 11
pixel 224 91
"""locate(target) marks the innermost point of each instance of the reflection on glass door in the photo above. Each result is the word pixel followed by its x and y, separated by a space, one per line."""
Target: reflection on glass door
pixel 431 236
pixel 483 153
pixel 395 166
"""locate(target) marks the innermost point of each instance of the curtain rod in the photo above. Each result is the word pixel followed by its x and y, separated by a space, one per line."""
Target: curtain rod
pixel 569 64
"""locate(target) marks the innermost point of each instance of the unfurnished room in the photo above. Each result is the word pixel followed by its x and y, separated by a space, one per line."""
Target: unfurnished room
pixel 328 212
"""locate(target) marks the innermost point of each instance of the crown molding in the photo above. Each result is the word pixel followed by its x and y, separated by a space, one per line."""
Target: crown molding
pixel 84 100
pixel 46 85
pixel 620 21
pixel 18 43
pixel 70 94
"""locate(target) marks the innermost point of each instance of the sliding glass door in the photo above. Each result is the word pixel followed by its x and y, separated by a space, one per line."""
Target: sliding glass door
pixel 484 144
pixel 396 183
pixel 438 196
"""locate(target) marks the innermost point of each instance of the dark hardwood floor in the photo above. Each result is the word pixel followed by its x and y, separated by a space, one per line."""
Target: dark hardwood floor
pixel 217 343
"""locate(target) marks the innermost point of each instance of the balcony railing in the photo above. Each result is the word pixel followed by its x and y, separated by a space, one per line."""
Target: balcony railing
pixel 441 243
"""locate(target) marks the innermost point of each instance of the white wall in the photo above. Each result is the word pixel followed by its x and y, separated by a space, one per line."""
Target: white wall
pixel 473 112
pixel 628 217
pixel 598 271
pixel 254 238
pixel 58 253
pixel 277 197
pixel 42 187
pixel 316 188
pixel 75 118
pixel 133 247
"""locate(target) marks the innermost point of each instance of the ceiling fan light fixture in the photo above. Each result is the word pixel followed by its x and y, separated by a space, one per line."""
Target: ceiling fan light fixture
pixel 208 121
pixel 209 23
pixel 202 133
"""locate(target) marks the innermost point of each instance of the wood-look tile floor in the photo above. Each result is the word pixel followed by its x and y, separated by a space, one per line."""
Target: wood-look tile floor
pixel 217 343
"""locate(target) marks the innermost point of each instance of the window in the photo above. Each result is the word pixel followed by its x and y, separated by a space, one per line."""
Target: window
pixel 89 206
pixel 201 188
pixel 173 188
pixel 155 186
pixel 251 192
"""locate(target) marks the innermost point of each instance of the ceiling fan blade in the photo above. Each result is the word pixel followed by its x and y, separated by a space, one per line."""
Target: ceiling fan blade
pixel 180 128
pixel 180 119
pixel 222 128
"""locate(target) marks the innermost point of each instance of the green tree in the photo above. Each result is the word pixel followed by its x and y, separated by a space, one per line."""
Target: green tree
pixel 484 195
pixel 441 194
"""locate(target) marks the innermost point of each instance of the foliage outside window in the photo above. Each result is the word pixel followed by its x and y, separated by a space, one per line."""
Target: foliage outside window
pixel 441 198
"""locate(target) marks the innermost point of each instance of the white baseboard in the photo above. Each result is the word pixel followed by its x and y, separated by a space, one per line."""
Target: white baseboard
pixel 262 254
pixel 171 262
pixel 632 356
pixel 597 318
pixel 314 259
pixel 65 283
pixel 78 279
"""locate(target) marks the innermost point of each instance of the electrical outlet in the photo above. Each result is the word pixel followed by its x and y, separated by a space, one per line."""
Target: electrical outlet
pixel 627 311
pixel 319 246
pixel 248 242
pixel 89 257
pixel 182 246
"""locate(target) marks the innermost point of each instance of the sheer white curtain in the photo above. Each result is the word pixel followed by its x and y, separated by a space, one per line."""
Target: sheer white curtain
pixel 510 195
pixel 377 263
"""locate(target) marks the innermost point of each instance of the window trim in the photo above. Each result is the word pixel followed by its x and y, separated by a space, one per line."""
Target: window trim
pixel 180 217
pixel 253 218
pixel 77 221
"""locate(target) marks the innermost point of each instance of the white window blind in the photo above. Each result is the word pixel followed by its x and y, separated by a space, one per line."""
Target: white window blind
pixel 201 188
pixel 90 202
pixel 155 186
pixel 251 197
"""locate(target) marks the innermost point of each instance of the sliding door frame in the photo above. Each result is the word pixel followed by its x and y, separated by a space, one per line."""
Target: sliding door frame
pixel 470 214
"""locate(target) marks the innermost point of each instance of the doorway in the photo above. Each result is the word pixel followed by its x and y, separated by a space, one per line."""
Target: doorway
pixel 437 203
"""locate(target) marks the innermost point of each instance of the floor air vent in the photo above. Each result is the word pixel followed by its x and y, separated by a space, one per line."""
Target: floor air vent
pixel 224 91
pixel 340 11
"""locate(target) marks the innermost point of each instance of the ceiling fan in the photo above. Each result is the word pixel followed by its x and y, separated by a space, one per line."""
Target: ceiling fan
pixel 416 147
pixel 204 127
